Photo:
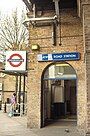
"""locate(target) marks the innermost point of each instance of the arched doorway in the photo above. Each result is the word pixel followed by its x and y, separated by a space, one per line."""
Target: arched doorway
pixel 59 90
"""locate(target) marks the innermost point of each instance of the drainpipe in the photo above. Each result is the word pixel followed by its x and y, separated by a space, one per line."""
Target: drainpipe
pixel 54 34
pixel 52 20
pixel 34 10
pixel 58 18
pixel 28 5
pixel 40 19
pixel 56 7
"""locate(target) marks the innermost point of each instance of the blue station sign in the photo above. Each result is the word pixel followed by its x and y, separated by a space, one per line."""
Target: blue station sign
pixel 59 56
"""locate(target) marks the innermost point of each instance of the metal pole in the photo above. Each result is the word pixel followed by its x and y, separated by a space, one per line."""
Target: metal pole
pixel 23 93
pixel 19 95
pixel 16 86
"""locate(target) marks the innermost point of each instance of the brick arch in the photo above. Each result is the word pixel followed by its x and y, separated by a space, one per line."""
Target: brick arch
pixel 52 63
pixel 42 77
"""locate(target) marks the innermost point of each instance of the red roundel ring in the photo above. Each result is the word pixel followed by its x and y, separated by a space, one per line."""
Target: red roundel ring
pixel 19 63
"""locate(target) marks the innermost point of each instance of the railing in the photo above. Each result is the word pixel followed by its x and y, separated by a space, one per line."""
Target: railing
pixel 20 109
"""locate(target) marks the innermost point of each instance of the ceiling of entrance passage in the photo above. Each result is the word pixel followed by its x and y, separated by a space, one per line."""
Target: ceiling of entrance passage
pixel 60 70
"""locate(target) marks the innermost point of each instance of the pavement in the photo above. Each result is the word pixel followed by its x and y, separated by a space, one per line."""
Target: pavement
pixel 17 126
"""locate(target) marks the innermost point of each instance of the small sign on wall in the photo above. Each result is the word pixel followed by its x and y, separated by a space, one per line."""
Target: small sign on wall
pixel 15 60
pixel 59 56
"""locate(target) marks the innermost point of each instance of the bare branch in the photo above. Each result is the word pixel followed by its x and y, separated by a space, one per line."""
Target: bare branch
pixel 12 32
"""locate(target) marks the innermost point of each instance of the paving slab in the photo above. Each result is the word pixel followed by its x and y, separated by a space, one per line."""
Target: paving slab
pixel 17 126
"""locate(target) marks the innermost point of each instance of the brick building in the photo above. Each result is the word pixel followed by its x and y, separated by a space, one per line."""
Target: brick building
pixel 7 84
pixel 58 66
pixel 12 82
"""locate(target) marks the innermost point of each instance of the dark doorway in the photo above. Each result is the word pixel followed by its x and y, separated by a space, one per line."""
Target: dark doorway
pixel 59 97
pixel 63 99
pixel 70 97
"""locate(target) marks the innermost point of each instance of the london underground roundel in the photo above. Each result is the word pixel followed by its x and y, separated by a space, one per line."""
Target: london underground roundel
pixel 15 60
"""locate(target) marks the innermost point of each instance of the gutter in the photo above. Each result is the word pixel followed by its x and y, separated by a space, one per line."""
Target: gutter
pixel 40 19
pixel 43 20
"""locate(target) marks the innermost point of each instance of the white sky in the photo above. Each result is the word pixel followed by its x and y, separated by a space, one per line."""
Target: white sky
pixel 7 6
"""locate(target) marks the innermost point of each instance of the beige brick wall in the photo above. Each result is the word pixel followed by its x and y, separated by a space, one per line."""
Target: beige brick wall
pixel 72 41
pixel 86 28
pixel 8 87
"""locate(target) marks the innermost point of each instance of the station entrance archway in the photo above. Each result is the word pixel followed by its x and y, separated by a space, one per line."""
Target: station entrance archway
pixel 59 93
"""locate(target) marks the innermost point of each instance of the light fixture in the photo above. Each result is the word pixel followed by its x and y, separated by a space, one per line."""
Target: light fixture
pixel 60 73
pixel 35 47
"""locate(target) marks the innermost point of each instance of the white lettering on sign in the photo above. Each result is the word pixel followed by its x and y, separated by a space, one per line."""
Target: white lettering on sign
pixel 44 57
pixel 57 56
pixel 70 55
